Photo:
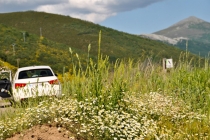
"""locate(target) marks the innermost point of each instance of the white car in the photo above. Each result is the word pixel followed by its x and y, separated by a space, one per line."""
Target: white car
pixel 34 81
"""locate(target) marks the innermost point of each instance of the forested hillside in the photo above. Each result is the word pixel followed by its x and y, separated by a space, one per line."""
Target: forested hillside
pixel 37 38
pixel 32 50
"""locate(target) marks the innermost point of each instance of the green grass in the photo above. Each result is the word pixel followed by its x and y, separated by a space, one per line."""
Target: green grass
pixel 102 102
pixel 123 100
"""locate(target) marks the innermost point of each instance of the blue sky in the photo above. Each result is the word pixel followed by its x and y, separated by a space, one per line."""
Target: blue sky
pixel 131 16
pixel 158 16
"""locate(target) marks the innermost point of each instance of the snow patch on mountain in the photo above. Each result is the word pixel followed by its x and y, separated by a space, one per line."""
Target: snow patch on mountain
pixel 162 38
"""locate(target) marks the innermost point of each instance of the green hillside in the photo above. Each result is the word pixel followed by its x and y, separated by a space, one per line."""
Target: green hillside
pixel 61 32
pixel 195 47
pixel 33 51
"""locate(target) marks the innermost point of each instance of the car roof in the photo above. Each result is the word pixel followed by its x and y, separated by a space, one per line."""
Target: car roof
pixel 33 67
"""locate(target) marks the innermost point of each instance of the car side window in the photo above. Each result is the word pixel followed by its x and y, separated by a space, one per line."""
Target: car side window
pixel 49 72
pixel 23 75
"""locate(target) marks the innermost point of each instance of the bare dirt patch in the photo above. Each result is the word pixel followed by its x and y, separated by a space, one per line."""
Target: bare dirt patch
pixel 45 132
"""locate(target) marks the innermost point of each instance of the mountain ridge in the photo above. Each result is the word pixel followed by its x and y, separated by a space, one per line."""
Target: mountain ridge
pixel 191 27
pixel 189 20
pixel 193 30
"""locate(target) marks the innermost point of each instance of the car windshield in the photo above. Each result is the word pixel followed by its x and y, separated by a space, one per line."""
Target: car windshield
pixel 34 73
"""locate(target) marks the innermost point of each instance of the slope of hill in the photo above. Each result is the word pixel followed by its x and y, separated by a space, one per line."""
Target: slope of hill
pixel 32 51
pixel 195 47
pixel 24 29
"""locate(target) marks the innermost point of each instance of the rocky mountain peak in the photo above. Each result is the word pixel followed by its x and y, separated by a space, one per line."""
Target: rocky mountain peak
pixel 191 27
pixel 188 21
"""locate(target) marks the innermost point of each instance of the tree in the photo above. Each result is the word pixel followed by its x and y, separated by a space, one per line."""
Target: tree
pixel 3 56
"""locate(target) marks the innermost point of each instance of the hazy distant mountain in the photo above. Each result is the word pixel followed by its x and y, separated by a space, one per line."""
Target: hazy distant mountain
pixel 193 29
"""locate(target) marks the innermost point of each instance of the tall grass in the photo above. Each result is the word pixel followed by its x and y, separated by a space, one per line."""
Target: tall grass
pixel 108 85
pixel 124 100
pixel 103 80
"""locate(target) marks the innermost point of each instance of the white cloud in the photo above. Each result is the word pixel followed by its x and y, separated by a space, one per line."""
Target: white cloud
pixel 87 11
pixel 91 10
